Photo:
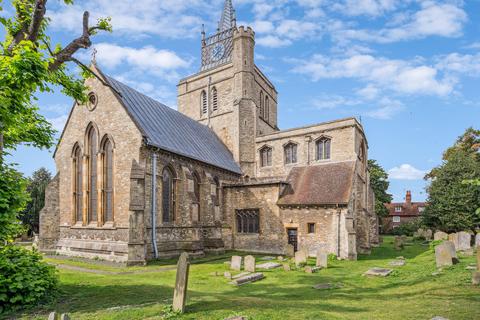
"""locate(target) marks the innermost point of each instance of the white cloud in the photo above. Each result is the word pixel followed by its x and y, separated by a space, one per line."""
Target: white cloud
pixel 366 7
pixel 400 76
pixel 386 109
pixel 58 123
pixel 273 42
pixel 406 172
pixel 457 63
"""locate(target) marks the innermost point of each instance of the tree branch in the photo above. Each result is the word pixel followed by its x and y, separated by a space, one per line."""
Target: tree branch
pixel 84 67
pixel 37 19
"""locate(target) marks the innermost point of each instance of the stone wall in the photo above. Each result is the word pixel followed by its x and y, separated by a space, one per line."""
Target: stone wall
pixel 50 217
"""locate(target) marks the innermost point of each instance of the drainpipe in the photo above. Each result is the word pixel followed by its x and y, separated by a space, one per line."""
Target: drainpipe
pixel 339 215
pixel 154 204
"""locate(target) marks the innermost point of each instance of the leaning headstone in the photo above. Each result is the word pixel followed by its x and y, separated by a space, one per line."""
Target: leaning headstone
pixel 64 316
pixel 378 272
pixel 236 263
pixel 428 234
pixel 269 265
pixel 181 283
pixel 464 239
pixel 300 258
pixel 286 267
pixel 476 278
pixel 52 316
pixel 322 259
pixel 443 255
pixel 249 263
pixel 453 237
pixel 249 278
pixel 289 250
pixel 440 235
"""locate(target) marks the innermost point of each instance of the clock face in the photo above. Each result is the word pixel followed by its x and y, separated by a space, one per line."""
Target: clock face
pixel 218 52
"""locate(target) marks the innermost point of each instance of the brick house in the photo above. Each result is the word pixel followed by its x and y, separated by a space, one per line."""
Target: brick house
pixel 137 180
pixel 401 212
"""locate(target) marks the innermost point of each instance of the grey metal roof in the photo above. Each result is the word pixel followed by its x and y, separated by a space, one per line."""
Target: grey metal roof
pixel 170 130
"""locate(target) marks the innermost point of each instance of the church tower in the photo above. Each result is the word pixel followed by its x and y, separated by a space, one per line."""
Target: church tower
pixel 230 94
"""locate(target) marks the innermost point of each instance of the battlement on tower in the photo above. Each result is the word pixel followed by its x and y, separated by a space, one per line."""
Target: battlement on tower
pixel 244 32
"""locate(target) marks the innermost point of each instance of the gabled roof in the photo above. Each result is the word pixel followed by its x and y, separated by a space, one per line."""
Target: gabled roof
pixel 319 184
pixel 169 130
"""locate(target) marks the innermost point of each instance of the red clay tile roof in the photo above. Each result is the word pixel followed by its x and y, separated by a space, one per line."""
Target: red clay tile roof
pixel 319 184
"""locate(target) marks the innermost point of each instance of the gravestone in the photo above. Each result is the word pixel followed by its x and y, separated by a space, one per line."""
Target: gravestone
pixel 248 278
pixel 64 316
pixel 249 264
pixel 289 250
pixel 477 241
pixel 267 258
pixel 397 263
pixel 440 235
pixel 476 278
pixel 181 283
pixel 420 233
pixel 428 234
pixel 453 252
pixel 227 275
pixel 300 258
pixel 280 258
pixel 443 255
pixel 240 275
pixel 268 265
pixel 378 272
pixel 236 263
pixel 286 267
pixel 52 316
pixel 464 239
pixel 322 259
pixel 398 243
pixel 453 237
pixel 309 269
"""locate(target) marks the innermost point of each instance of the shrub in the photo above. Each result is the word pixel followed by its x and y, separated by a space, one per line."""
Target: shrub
pixel 332 257
pixel 407 228
pixel 26 280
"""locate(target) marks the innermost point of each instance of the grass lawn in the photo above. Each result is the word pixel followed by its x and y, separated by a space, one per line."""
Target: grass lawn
pixel 411 292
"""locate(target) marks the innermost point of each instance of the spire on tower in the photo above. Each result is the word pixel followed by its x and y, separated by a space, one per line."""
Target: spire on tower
pixel 228 19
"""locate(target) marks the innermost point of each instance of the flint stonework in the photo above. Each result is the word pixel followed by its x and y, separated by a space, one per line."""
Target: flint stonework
pixel 181 283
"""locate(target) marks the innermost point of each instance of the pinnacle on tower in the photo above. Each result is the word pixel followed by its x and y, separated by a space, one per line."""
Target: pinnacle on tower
pixel 228 19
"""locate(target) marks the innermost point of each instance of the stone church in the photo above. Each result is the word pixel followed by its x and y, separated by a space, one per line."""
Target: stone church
pixel 137 180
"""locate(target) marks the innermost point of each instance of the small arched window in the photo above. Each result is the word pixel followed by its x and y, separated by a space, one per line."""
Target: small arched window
pixel 267 109
pixel 168 195
pixel 107 181
pixel 266 157
pixel 261 105
pixel 323 148
pixel 92 196
pixel 204 107
pixel 290 152
pixel 214 99
pixel 77 172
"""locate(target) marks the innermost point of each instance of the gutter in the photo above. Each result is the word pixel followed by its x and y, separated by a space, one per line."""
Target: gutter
pixel 154 205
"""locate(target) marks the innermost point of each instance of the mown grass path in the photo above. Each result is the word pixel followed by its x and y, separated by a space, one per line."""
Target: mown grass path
pixel 411 292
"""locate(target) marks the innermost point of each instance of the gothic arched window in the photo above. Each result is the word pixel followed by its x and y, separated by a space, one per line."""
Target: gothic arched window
pixel 267 109
pixel 77 172
pixel 323 148
pixel 290 151
pixel 266 157
pixel 168 195
pixel 204 102
pixel 107 181
pixel 262 109
pixel 92 196
pixel 214 99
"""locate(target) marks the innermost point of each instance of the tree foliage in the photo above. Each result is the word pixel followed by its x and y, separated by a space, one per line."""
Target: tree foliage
pixel 36 189
pixel 452 203
pixel 379 183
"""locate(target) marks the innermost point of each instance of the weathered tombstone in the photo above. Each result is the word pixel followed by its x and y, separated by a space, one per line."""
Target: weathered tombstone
pixel 300 258
pixel 64 316
pixel 453 252
pixel 248 278
pixel 476 278
pixel 477 241
pixel 250 263
pixel 420 233
pixel 52 316
pixel 269 265
pixel 322 259
pixel 428 234
pixel 227 275
pixel 398 243
pixel 453 237
pixel 280 258
pixel 286 267
pixel 443 255
pixel 397 263
pixel 181 283
pixel 289 250
pixel 267 258
pixel 464 239
pixel 382 272
pixel 236 263
pixel 440 235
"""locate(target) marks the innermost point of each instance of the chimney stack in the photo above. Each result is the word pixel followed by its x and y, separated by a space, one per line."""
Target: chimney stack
pixel 408 198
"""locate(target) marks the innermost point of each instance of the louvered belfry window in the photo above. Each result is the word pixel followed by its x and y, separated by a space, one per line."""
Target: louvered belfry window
pixel 214 99
pixel 204 102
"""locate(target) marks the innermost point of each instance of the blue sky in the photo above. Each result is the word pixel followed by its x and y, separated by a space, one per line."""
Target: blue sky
pixel 408 69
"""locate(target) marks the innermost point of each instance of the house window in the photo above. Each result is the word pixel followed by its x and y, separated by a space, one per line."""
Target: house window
pixel 107 185
pixel 290 151
pixel 398 209
pixel 248 221
pixel 92 195
pixel 323 149
pixel 311 227
pixel 396 219
pixel 77 184
pixel 262 109
pixel 266 157
pixel 204 102
pixel 214 99
pixel 168 195
pixel 267 109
